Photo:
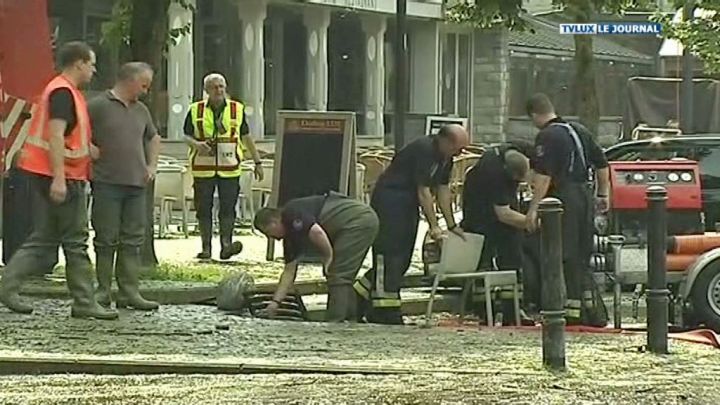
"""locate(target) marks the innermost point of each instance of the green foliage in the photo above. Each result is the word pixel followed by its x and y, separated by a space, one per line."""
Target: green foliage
pixel 701 34
pixel 116 32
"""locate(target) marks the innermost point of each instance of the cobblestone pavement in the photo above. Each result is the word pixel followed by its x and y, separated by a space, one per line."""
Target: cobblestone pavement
pixel 603 368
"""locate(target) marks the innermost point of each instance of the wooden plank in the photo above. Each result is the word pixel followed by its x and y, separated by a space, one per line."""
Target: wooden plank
pixel 88 365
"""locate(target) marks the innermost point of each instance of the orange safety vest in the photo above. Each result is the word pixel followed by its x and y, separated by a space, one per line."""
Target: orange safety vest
pixel 35 155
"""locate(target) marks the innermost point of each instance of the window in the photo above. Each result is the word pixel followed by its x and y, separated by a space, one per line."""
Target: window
pixel 455 74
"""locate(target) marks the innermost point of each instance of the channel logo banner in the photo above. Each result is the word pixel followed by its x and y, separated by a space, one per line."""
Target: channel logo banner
pixel 614 28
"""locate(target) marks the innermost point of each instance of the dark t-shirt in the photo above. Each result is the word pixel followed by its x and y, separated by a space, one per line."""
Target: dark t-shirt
pixel 555 150
pixel 298 216
pixel 62 107
pixel 417 164
pixel 121 133
pixel 487 185
pixel 189 127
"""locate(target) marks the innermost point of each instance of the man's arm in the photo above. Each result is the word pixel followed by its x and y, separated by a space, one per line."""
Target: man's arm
pixel 427 203
pixel 509 216
pixel 320 239
pixel 249 143
pixel 57 148
pixel 444 201
pixel 287 278
pixel 540 187
pixel 154 151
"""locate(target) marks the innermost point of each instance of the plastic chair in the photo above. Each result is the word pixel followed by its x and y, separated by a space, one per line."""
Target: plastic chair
pixel 458 261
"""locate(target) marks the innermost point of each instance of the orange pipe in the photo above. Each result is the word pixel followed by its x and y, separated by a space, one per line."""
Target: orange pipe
pixel 694 244
pixel 680 262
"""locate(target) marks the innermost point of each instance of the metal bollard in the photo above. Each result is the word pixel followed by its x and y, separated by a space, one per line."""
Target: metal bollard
pixel 553 280
pixel 657 293
pixel 617 241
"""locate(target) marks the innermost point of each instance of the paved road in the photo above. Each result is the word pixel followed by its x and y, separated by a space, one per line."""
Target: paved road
pixel 604 368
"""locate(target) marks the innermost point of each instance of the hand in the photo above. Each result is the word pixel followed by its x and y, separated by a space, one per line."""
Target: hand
pixel 436 233
pixel 259 174
pixel 203 147
pixel 602 204
pixel 94 152
pixel 151 172
pixel 458 231
pixel 531 221
pixel 58 190
pixel 326 266
pixel 270 311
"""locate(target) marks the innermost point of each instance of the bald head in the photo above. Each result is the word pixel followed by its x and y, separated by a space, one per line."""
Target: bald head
pixel 452 139
pixel 516 164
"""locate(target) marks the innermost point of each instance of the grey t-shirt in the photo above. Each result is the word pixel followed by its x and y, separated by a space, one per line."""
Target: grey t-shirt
pixel 121 133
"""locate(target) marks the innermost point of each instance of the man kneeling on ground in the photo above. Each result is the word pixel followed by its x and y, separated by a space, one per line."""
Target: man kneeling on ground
pixel 341 229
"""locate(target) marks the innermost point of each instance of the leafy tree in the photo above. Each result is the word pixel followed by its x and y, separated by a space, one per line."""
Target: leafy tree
pixel 701 34
pixel 508 14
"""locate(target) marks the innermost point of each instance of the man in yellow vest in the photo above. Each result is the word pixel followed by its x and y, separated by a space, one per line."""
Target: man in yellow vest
pixel 218 134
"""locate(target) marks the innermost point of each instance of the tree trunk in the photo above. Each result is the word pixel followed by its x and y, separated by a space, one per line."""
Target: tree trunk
pixel 148 36
pixel 584 84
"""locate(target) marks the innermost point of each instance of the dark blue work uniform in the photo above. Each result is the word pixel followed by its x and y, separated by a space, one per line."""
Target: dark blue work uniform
pixel 568 154
pixel 395 200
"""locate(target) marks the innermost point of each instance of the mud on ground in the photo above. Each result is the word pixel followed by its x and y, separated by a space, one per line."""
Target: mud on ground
pixel 603 368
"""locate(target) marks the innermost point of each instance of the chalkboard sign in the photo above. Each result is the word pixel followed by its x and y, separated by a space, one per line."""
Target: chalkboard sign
pixel 314 154
pixel 434 123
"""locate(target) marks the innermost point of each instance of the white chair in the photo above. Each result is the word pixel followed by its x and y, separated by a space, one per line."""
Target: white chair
pixel 246 202
pixel 170 193
pixel 262 189
pixel 458 261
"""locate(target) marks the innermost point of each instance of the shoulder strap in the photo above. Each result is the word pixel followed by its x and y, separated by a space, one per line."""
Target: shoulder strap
pixel 579 149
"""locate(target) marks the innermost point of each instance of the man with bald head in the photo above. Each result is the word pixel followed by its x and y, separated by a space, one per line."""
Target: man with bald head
pixel 418 169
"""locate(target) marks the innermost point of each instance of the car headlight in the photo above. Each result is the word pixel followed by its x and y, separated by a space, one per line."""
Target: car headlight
pixel 637 177
pixel 673 177
pixel 686 176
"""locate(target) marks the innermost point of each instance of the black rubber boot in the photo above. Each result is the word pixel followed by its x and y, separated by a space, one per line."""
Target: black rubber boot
pixel 80 284
pixel 104 264
pixel 206 238
pixel 9 291
pixel 127 278
pixel 341 304
pixel 228 247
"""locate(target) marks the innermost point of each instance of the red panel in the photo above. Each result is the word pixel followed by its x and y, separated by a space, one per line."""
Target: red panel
pixel 26 63
pixel 681 195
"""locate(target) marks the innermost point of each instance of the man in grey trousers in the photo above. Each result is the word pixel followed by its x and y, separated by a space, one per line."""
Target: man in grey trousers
pixel 129 146
pixel 341 229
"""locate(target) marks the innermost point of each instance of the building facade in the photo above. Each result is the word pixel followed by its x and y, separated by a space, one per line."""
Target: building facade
pixel 337 55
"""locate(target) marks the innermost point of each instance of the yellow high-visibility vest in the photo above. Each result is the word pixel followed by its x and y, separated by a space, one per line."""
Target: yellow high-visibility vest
pixel 227 147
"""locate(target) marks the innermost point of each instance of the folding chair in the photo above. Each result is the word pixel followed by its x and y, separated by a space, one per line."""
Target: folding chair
pixel 458 261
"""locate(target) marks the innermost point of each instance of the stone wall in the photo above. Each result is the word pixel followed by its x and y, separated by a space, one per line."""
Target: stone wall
pixel 522 128
pixel 491 85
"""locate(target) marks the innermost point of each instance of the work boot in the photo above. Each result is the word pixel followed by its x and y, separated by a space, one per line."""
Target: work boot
pixel 228 247
pixel 386 316
pixel 361 308
pixel 104 264
pixel 206 238
pixel 341 304
pixel 127 278
pixel 80 283
pixel 9 287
